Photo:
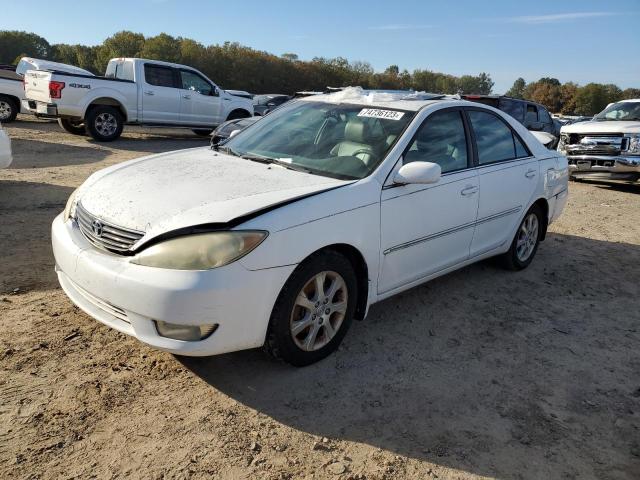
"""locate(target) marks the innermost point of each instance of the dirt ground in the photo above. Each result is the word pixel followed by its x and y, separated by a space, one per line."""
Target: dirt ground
pixel 482 373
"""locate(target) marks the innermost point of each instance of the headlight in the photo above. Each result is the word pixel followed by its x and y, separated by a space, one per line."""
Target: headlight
pixel 634 145
pixel 70 207
pixel 201 251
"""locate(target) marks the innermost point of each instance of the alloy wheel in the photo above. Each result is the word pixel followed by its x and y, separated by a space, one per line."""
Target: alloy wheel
pixel 527 237
pixel 319 311
pixel 106 124
pixel 5 110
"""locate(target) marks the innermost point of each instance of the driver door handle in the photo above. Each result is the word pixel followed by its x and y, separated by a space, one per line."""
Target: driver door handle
pixel 149 92
pixel 530 174
pixel 469 190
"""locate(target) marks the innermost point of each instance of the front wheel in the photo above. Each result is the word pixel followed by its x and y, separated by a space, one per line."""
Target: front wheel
pixel 104 123
pixel 74 128
pixel 526 241
pixel 314 310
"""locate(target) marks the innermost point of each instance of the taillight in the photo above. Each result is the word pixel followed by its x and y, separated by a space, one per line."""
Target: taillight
pixel 55 89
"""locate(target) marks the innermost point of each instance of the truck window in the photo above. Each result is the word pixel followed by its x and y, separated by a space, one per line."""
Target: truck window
pixel 120 70
pixel 513 108
pixel 194 82
pixel 532 115
pixel 544 116
pixel 159 76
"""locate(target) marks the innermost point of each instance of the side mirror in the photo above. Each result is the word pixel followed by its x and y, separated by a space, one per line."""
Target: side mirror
pixel 215 92
pixel 418 172
pixel 234 133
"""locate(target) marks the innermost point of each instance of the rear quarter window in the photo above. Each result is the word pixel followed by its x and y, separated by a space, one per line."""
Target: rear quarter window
pixel 513 108
pixel 495 140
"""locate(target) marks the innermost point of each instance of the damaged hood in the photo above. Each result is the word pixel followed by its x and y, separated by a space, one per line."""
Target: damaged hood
pixel 165 192
pixel 608 126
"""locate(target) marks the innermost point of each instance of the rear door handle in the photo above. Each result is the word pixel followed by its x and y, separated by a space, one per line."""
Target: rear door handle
pixel 149 92
pixel 530 174
pixel 469 190
pixel 188 97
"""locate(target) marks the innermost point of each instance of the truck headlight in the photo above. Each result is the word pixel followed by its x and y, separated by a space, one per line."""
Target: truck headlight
pixel 634 145
pixel 200 251
pixel 70 207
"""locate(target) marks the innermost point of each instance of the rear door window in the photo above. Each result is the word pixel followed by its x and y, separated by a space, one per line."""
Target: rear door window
pixel 531 115
pixel 544 116
pixel 495 141
pixel 159 76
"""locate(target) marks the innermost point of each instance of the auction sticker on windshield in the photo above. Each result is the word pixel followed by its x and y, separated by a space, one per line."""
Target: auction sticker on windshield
pixel 377 113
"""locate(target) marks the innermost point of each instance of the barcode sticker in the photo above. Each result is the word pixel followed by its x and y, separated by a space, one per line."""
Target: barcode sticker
pixel 384 114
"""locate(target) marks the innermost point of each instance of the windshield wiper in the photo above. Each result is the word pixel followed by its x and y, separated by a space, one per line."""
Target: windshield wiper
pixel 257 158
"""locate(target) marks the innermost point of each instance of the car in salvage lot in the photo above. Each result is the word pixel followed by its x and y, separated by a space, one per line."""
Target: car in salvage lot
pixel 607 146
pixel 296 225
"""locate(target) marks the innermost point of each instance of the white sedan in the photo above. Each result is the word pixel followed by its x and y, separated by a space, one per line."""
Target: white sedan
pixel 295 226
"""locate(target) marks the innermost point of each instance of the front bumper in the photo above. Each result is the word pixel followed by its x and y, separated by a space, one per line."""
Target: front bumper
pixel 604 165
pixel 129 297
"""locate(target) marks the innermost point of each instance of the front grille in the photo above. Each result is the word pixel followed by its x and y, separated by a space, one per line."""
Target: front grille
pixel 105 235
pixel 112 310
pixel 610 144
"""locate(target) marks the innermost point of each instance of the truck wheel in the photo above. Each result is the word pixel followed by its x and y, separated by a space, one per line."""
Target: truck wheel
pixel 75 128
pixel 9 109
pixel 104 123
pixel 236 114
pixel 314 310
pixel 201 132
pixel 525 243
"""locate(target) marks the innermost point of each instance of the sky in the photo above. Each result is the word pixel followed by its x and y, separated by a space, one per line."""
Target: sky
pixel 580 40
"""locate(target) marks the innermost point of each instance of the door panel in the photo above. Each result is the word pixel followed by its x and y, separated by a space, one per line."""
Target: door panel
pixel 424 230
pixel 160 97
pixel 505 190
pixel 198 104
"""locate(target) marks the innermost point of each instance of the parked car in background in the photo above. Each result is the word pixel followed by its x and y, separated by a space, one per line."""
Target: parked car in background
pixel 299 223
pixel 607 146
pixel 225 131
pixel 533 116
pixel 5 149
pixel 12 97
pixel 134 91
pixel 263 104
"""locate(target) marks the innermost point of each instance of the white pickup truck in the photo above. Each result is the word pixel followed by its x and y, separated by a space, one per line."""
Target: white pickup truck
pixel 12 99
pixel 607 146
pixel 133 91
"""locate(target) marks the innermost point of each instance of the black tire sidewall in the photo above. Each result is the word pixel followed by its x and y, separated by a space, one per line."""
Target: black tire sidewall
pixel 279 340
pixel 15 109
pixel 72 129
pixel 91 118
pixel 513 259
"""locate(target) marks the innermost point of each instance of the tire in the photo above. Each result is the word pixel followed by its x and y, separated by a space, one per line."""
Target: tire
pixel 304 348
pixel 530 231
pixel 201 132
pixel 236 114
pixel 9 109
pixel 74 128
pixel 104 123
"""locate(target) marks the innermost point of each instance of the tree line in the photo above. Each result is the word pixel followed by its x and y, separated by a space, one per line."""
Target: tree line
pixel 235 66
pixel 569 98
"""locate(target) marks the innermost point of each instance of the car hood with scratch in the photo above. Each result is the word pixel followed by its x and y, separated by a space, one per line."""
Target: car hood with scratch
pixel 166 192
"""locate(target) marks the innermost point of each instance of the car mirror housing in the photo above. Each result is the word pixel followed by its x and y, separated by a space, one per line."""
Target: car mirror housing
pixel 419 173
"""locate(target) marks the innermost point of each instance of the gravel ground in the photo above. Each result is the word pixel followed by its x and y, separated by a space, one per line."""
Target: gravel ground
pixel 481 373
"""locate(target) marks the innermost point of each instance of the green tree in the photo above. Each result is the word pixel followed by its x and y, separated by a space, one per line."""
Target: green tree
pixel 15 44
pixel 292 57
pixel 630 93
pixel 162 47
pixel 591 99
pixel 517 89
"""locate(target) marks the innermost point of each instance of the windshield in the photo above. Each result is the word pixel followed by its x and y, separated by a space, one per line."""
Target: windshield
pixel 620 111
pixel 336 140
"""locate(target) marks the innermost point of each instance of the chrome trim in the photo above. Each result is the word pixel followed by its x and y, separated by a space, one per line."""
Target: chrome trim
pixel 449 231
pixel 105 235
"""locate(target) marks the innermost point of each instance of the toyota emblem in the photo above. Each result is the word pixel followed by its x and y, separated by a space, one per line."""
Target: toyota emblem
pixel 97 227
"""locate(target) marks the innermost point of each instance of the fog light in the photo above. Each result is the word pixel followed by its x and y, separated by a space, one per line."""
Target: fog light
pixel 188 333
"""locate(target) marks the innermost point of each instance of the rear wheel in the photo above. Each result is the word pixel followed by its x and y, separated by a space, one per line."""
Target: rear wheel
pixel 526 241
pixel 9 109
pixel 314 310
pixel 104 123
pixel 75 128
pixel 201 132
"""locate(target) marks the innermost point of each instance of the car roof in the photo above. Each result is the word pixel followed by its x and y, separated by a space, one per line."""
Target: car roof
pixel 402 100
